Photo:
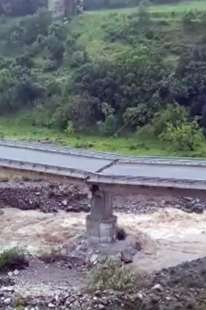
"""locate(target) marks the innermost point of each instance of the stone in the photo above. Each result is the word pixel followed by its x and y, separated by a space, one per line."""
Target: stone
pixel 51 305
pixel 64 202
pixel 127 255
pixel 93 259
pixel 158 287
pixel 198 208
pixel 140 296
pixel 7 289
pixel 187 198
pixel 7 301
pixel 16 272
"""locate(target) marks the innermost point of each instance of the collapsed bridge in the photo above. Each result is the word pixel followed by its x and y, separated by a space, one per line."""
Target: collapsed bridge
pixel 104 175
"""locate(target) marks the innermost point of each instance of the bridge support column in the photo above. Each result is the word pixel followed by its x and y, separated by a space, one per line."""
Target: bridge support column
pixel 101 223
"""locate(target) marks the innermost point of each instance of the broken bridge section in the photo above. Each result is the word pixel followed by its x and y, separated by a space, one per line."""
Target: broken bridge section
pixel 105 175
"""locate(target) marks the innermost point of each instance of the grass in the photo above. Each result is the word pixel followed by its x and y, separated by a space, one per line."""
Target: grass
pixel 90 28
pixel 181 7
pixel 91 33
pixel 15 129
pixel 112 275
pixel 12 259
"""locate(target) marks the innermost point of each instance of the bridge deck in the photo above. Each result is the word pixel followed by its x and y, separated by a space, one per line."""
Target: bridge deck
pixel 179 172
pixel 104 168
pixel 54 159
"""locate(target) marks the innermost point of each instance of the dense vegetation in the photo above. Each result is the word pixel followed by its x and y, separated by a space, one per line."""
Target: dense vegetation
pixel 20 7
pixel 138 71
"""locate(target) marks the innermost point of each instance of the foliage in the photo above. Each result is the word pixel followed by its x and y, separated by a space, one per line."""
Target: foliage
pixel 174 115
pixel 12 259
pixel 20 7
pixel 173 126
pixel 112 73
pixel 113 275
pixel 31 27
pixel 184 137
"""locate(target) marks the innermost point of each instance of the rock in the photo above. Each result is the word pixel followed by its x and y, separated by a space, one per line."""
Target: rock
pixel 65 202
pixel 190 199
pixel 157 287
pixel 16 272
pixel 51 305
pixel 7 301
pixel 93 259
pixel 140 296
pixel 7 289
pixel 10 274
pixel 127 256
pixel 198 208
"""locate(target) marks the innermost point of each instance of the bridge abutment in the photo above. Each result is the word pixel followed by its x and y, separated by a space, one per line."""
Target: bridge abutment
pixel 101 223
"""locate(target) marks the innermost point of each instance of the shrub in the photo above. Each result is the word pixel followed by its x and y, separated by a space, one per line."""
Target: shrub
pixel 185 137
pixel 78 58
pixel 12 259
pixel 173 114
pixel 113 275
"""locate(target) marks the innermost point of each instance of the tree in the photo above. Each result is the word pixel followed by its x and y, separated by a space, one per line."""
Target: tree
pixel 20 7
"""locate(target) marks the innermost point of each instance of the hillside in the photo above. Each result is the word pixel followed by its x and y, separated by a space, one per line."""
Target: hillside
pixel 134 76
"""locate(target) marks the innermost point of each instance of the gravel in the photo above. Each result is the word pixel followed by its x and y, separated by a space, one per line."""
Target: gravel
pixel 177 288
pixel 43 196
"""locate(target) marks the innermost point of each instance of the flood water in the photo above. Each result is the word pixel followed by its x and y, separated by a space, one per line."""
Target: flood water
pixel 173 236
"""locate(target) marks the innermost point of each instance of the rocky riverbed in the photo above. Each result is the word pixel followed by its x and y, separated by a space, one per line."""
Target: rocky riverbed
pixel 52 197
pixel 181 287
pixel 48 222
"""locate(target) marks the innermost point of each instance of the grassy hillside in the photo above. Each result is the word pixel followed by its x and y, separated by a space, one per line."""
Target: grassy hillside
pixel 105 35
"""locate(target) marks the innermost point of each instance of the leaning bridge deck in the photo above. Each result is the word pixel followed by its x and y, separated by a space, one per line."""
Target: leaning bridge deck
pixel 104 168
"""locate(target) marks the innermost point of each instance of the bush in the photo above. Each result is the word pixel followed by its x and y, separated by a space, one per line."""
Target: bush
pixel 113 275
pixel 185 137
pixel 78 58
pixel 12 259
pixel 172 114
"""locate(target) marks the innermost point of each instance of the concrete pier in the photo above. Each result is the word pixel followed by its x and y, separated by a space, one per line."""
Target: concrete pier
pixel 101 223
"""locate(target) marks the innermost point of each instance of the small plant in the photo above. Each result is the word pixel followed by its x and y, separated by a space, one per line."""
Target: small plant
pixel 113 275
pixel 12 259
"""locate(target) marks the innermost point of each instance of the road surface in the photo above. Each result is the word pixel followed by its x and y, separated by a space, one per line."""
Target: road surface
pixel 102 167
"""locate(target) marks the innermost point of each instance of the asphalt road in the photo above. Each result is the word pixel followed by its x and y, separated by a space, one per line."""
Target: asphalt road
pixel 105 165
pixel 52 158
